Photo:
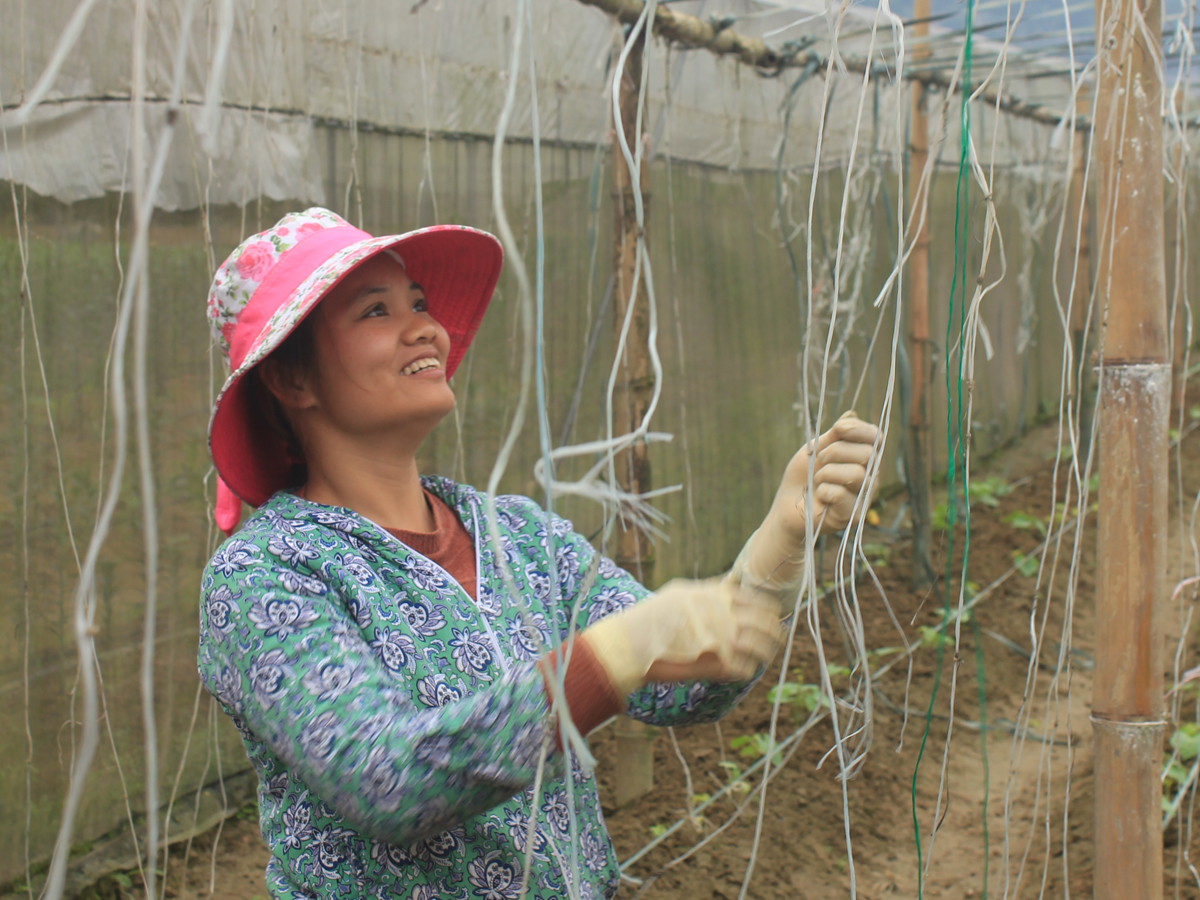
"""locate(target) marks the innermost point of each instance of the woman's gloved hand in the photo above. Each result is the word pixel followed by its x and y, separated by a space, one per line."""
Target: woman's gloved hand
pixel 687 631
pixel 773 558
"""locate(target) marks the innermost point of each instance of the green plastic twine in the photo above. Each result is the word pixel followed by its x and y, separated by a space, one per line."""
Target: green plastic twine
pixel 956 450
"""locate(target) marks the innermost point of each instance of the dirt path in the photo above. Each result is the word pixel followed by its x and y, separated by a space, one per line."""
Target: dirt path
pixel 803 850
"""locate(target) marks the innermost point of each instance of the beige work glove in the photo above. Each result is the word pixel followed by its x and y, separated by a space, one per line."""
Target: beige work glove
pixel 773 558
pixel 687 631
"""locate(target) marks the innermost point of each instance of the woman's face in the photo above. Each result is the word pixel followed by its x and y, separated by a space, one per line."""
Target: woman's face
pixel 381 358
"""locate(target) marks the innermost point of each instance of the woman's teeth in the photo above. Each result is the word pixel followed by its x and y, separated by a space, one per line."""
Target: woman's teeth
pixel 428 362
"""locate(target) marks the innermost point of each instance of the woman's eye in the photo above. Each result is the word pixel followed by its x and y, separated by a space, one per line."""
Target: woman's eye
pixel 420 305
pixel 377 310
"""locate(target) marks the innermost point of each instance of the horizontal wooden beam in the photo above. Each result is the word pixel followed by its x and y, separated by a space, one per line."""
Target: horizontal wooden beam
pixel 695 33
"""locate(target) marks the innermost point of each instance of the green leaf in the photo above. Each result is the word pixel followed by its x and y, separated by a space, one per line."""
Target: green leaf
pixel 249 812
pixel 1024 521
pixel 932 635
pixel 951 615
pixel 1176 773
pixel 122 879
pixel 887 651
pixel 937 517
pixel 1026 565
pixel 877 554
pixel 755 745
pixel 807 695
pixel 1188 745
pixel 1194 413
pixel 658 830
pixel 786 692
pixel 1067 453
pixel 988 490
pixel 697 799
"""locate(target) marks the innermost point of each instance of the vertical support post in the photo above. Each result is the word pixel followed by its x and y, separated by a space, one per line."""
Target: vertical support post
pixel 1134 400
pixel 917 464
pixel 634 388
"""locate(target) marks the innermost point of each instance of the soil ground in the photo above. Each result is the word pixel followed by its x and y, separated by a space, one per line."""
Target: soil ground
pixel 803 848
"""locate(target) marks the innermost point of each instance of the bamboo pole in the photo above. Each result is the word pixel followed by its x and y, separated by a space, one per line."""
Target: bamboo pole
pixel 635 552
pixel 1134 400
pixel 917 465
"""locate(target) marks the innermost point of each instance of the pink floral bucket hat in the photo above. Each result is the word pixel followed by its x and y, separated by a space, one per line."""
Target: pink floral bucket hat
pixel 275 278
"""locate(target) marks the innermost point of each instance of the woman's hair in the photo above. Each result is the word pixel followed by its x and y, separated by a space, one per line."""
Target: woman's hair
pixel 296 357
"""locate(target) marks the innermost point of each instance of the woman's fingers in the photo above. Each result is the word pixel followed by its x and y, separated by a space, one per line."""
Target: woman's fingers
pixel 832 494
pixel 851 428
pixel 838 502
pixel 845 452
pixel 848 475
pixel 848 428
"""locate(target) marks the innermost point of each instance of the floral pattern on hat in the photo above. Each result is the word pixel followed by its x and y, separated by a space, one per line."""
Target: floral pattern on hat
pixel 310 292
pixel 313 289
pixel 247 266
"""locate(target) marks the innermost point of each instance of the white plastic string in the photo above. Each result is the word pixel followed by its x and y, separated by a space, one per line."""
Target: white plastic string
pixel 1065 418
pixel 693 525
pixel 209 116
pixel 573 743
pixel 66 43
pixel 85 590
pixel 848 605
pixel 352 94
pixel 427 162
pixel 26 621
pixel 633 508
pixel 143 208
pixel 543 418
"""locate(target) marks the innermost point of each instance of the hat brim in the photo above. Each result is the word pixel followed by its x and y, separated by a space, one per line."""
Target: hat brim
pixel 458 267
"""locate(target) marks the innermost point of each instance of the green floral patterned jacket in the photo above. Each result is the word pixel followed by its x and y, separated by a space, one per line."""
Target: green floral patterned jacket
pixel 394 723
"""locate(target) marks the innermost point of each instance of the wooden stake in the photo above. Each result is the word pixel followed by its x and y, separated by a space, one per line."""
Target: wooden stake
pixel 635 386
pixel 1131 418
pixel 917 463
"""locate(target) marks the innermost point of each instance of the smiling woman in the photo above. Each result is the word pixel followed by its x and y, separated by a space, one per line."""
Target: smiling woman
pixel 395 699
pixel 368 392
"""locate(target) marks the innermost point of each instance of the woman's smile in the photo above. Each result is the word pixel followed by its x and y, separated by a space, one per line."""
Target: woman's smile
pixel 428 366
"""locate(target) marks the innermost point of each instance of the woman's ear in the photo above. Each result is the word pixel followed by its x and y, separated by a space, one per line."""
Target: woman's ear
pixel 287 384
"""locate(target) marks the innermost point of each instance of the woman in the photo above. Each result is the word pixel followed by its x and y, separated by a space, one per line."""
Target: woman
pixel 395 700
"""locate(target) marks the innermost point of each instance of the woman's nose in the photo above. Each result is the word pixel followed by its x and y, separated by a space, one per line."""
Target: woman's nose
pixel 419 329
